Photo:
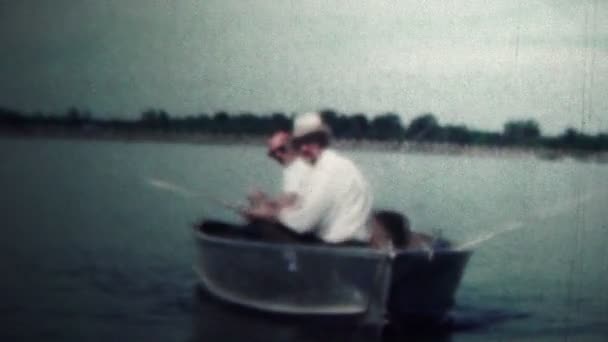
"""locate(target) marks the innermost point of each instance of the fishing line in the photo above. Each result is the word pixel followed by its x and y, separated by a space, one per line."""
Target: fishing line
pixel 540 214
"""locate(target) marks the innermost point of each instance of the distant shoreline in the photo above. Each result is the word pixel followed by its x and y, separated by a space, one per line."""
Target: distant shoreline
pixel 446 149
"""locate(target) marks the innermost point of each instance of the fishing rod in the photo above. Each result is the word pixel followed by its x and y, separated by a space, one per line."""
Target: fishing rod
pixel 176 189
pixel 510 226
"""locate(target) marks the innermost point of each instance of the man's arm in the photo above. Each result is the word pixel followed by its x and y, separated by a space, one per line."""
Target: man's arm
pixel 311 207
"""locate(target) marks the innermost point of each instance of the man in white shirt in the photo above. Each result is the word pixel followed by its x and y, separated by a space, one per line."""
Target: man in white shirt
pixel 335 203
pixel 295 171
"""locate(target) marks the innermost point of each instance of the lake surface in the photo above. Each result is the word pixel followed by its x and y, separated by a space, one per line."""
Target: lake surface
pixel 92 251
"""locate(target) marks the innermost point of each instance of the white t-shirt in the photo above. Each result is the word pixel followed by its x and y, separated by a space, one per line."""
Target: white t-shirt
pixel 295 176
pixel 335 202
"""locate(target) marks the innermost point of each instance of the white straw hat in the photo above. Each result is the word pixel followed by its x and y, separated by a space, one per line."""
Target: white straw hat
pixel 308 123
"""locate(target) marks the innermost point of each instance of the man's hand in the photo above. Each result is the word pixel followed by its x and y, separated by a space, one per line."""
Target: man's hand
pixel 265 210
pixel 286 200
pixel 256 198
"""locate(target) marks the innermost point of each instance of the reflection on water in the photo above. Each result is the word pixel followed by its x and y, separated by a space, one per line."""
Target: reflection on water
pixel 217 320
pixel 99 302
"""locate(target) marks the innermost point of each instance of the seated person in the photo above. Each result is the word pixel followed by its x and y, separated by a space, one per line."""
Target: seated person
pixel 334 203
pixel 392 230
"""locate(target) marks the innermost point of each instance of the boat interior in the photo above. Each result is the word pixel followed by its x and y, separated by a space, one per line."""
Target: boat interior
pixel 249 232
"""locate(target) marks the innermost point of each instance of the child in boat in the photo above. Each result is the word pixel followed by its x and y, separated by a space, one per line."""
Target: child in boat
pixel 391 230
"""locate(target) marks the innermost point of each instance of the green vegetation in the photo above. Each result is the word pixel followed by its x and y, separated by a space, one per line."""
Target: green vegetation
pixel 386 127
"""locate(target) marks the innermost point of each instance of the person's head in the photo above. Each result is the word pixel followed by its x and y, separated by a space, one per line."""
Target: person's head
pixel 390 226
pixel 310 136
pixel 279 148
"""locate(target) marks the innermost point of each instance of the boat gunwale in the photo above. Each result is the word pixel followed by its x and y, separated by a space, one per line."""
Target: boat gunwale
pixel 363 251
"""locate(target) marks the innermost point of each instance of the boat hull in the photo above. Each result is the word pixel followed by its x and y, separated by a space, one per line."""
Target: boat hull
pixel 318 280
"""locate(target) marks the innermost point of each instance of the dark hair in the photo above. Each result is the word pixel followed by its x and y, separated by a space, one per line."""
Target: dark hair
pixel 396 225
pixel 321 138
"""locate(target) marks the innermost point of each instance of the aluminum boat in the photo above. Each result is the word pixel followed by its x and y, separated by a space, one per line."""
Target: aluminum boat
pixel 318 280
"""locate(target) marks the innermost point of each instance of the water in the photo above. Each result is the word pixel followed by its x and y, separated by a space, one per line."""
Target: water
pixel 91 250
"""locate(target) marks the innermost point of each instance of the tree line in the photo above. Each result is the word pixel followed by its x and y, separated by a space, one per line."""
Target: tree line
pixel 387 127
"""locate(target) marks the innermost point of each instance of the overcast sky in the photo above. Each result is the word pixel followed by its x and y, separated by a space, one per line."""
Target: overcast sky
pixel 474 62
